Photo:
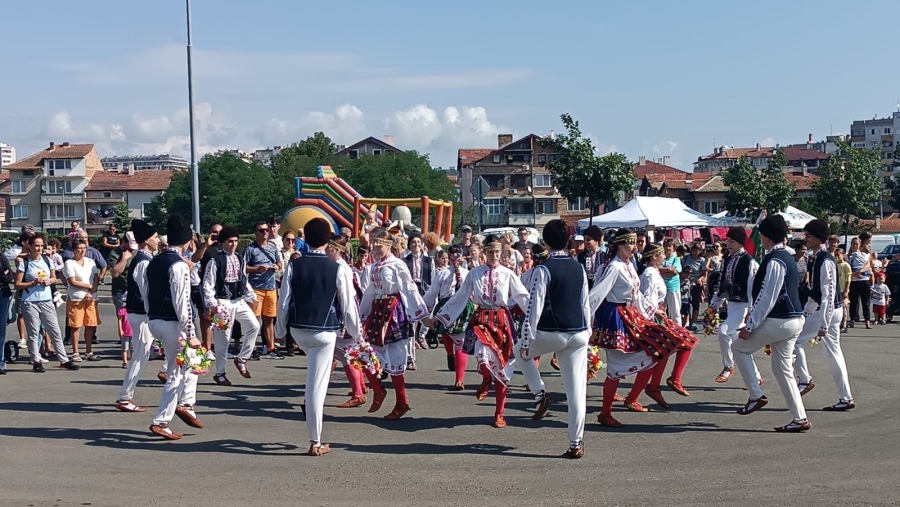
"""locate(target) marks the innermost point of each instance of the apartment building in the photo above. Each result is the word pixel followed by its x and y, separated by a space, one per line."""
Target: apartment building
pixel 47 188
pixel 7 155
pixel 521 187
pixel 808 157
pixel 145 163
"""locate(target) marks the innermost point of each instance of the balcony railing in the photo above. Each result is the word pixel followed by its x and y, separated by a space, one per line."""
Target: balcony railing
pixel 62 198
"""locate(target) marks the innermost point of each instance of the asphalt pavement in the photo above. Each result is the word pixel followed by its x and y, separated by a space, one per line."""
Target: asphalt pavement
pixel 63 443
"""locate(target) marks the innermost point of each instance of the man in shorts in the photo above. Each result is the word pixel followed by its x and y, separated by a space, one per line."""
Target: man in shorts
pixel 263 260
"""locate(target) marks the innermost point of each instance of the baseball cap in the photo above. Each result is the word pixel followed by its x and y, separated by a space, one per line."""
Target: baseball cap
pixel 132 244
pixel 465 228
pixel 579 237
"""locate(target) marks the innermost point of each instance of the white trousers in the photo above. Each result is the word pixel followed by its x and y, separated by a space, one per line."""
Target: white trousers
pixel 221 337
pixel 782 335
pixel 319 348
pixel 673 306
pixel 831 348
pixel 571 351
pixel 181 387
pixel 728 331
pixel 140 355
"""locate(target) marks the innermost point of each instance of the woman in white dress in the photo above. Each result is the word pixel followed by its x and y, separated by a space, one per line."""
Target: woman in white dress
pixel 445 284
pixel 336 250
pixel 390 304
pixel 633 343
pixel 491 332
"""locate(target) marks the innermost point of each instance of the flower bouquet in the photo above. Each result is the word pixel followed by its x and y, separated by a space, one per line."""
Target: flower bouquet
pixel 711 321
pixel 363 357
pixel 195 359
pixel 220 316
pixel 595 364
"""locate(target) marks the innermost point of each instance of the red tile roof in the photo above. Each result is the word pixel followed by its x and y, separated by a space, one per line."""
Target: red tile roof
pixel 57 151
pixel 717 184
pixel 141 180
pixel 791 153
pixel 801 152
pixel 650 167
pixel 471 155
pixel 679 180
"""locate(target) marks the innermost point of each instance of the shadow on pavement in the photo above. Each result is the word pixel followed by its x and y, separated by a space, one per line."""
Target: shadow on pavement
pixel 128 439
pixel 432 449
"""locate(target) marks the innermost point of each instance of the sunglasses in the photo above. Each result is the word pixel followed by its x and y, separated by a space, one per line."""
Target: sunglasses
pixel 261 230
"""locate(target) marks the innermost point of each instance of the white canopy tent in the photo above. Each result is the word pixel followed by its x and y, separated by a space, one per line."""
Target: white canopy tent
pixel 643 212
pixel 795 218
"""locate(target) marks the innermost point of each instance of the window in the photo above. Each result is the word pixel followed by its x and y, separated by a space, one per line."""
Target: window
pixel 107 195
pixel 887 130
pixel 518 181
pixel 543 181
pixel 496 159
pixel 553 157
pixel 54 211
pixel 59 187
pixel 20 212
pixel 496 181
pixel 145 209
pixel 542 159
pixel 873 132
pixel 19 187
pixel 494 206
pixel 354 153
pixel 545 206
pixel 28 172
pixel 577 205
pixel 376 152
pixel 710 208
pixel 59 164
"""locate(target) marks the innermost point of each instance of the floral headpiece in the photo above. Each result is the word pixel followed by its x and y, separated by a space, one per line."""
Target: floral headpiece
pixel 337 246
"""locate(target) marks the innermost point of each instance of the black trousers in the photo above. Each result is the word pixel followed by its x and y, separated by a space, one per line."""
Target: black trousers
pixel 860 292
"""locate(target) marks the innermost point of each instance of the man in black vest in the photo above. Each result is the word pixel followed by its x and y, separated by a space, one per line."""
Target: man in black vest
pixel 172 322
pixel 825 310
pixel 734 292
pixel 225 284
pixel 557 321
pixel 421 267
pixel 147 241
pixel 776 319
pixel 317 300
pixel 593 259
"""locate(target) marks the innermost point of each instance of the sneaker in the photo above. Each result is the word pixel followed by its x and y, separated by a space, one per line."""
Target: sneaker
pixel 70 365
pixel 38 368
pixel 274 354
pixel 44 360
pixel 211 356
pixel 23 344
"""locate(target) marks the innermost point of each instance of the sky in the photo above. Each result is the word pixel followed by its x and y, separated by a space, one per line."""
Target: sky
pixel 649 78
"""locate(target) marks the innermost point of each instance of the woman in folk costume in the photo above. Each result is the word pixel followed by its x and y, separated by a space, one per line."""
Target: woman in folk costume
pixel 336 250
pixel 491 330
pixel 633 343
pixel 390 304
pixel 653 288
pixel 446 283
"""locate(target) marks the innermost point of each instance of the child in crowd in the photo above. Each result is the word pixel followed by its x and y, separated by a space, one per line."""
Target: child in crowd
pixel 881 298
pixel 686 296
pixel 844 272
pixel 125 334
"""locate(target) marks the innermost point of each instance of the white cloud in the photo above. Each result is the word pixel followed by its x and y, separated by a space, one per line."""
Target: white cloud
pixel 665 147
pixel 768 142
pixel 424 129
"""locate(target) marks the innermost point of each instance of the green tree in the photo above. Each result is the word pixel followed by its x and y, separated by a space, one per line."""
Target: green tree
pixel 406 174
pixel 848 183
pixel 892 183
pixel 232 192
pixel 121 216
pixel 579 172
pixel 752 190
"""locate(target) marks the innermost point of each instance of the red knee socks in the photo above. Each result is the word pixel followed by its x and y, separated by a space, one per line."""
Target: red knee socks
pixel 461 359
pixel 640 382
pixel 609 394
pixel 399 382
pixel 681 360
pixel 374 381
pixel 500 393
pixel 448 343
pixel 355 377
pixel 658 371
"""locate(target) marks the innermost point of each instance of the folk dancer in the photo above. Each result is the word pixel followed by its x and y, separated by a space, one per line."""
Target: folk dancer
pixel 336 250
pixel 491 332
pixel 593 259
pixel 446 283
pixel 136 304
pixel 738 270
pixel 633 343
pixel 825 311
pixel 557 320
pixel 776 318
pixel 172 322
pixel 225 284
pixel 390 303
pixel 422 269
pixel 317 301
pixel 653 288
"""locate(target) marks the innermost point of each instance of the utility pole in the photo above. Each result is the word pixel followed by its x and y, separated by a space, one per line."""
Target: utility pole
pixel 195 174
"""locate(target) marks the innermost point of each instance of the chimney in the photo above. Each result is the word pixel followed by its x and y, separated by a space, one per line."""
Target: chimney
pixel 388 139
pixel 757 146
pixel 642 160
pixel 503 140
pixel 667 160
pixel 810 139
pixel 65 144
pixel 52 145
pixel 130 168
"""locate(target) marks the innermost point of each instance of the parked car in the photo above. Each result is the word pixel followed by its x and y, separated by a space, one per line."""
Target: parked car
pixel 889 252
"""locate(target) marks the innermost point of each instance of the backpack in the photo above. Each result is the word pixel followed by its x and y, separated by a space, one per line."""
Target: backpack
pixel 28 264
pixel 10 352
